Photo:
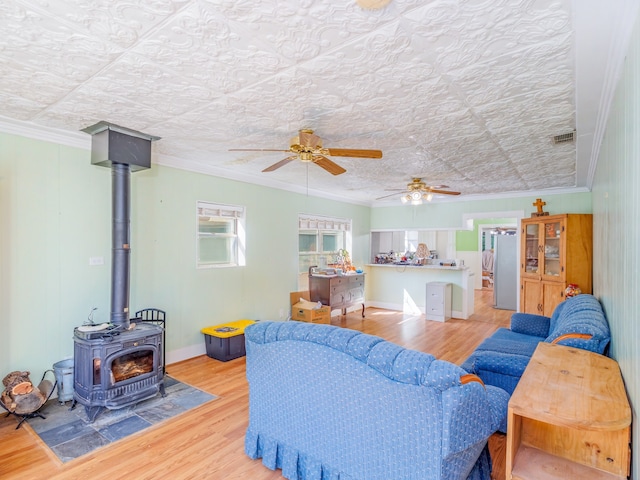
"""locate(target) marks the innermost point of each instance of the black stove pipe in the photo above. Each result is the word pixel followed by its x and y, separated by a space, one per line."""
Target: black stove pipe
pixel 120 230
pixel 124 151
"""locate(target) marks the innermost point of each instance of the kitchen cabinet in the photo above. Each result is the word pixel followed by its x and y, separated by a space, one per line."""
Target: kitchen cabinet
pixel 556 250
pixel 337 291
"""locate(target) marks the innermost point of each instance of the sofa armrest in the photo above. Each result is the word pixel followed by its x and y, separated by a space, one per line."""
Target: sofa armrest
pixel 530 324
pixel 567 336
pixel 470 377
pixel 499 403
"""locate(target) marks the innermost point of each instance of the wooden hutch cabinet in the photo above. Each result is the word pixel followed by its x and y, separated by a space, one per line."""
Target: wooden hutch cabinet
pixel 556 250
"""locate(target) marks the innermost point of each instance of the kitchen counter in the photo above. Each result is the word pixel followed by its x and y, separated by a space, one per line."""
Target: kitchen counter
pixel 433 267
pixel 403 287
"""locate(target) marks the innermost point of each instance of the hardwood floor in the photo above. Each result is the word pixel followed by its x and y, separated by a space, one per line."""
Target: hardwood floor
pixel 208 442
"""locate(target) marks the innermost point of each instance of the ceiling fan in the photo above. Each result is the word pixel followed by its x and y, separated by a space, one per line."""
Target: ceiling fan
pixel 417 191
pixel 307 147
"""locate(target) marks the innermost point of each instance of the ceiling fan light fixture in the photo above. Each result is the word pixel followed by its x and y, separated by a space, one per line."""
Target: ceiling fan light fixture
pixel 306 156
pixel 418 191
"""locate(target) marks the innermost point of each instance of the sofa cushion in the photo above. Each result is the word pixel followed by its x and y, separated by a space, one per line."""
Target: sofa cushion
pixel 581 314
pixel 530 324
pixel 502 370
pixel 553 321
pixel 507 341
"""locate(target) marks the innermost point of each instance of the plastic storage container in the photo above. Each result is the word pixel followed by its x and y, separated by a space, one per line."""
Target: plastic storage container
pixel 226 342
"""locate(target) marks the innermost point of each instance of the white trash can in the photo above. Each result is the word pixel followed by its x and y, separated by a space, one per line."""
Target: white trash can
pixel 63 371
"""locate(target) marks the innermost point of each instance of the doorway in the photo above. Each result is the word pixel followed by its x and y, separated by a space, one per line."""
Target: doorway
pixel 488 234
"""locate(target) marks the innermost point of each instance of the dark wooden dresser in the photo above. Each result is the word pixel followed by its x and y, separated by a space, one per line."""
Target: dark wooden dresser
pixel 337 291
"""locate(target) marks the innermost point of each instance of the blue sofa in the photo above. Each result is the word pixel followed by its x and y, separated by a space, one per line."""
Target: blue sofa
pixel 329 403
pixel 501 359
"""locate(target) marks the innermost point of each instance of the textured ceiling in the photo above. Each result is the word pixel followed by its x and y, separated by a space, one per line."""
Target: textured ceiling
pixel 466 93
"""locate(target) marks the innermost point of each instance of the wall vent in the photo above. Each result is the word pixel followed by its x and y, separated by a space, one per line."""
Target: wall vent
pixel 564 138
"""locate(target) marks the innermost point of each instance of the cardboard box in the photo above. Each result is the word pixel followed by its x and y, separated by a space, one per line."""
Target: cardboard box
pixel 318 315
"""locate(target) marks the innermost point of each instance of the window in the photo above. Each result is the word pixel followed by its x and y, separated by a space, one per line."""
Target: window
pixel 221 235
pixel 319 239
pixel 411 240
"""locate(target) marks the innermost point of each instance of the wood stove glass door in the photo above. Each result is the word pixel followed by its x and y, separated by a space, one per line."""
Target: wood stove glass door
pixel 133 364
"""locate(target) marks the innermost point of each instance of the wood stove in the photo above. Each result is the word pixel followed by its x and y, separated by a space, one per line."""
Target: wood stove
pixel 115 369
pixel 120 363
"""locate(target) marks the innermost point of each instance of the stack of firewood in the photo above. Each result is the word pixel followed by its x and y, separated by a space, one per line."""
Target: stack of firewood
pixel 20 396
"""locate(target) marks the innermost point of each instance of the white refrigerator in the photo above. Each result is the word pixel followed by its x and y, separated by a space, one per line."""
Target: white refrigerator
pixel 505 272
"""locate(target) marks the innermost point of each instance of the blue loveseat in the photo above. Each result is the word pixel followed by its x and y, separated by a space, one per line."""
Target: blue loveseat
pixel 329 403
pixel 501 359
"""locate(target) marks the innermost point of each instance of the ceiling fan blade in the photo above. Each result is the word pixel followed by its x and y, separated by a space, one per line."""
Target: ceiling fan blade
pixel 442 192
pixel 356 153
pixel 256 150
pixel 281 163
pixel 328 165
pixel 390 195
pixel 309 139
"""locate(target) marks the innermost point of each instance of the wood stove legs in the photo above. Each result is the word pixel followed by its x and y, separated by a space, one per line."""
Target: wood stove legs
pixel 92 412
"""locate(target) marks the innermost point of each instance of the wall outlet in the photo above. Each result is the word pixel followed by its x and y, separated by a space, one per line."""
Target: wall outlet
pixel 282 313
pixel 96 260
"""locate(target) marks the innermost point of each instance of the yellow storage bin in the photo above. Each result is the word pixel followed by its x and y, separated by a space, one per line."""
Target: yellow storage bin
pixel 226 341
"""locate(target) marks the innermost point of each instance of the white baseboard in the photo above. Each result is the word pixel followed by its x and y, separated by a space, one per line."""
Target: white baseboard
pixel 186 353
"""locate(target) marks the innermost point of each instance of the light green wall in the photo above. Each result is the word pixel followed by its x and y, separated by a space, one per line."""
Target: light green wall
pixel 450 215
pixel 56 213
pixel 616 209
pixel 467 240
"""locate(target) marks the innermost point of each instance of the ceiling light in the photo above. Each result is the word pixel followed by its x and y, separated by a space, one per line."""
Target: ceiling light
pixel 429 197
pixel 416 198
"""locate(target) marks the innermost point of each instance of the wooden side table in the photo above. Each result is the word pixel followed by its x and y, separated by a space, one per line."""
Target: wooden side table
pixel 569 417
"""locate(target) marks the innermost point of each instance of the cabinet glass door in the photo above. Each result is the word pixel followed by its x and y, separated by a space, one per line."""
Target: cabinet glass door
pixel 552 264
pixel 532 248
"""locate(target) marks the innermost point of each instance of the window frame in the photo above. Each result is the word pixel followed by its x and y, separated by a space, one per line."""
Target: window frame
pixel 321 225
pixel 235 215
